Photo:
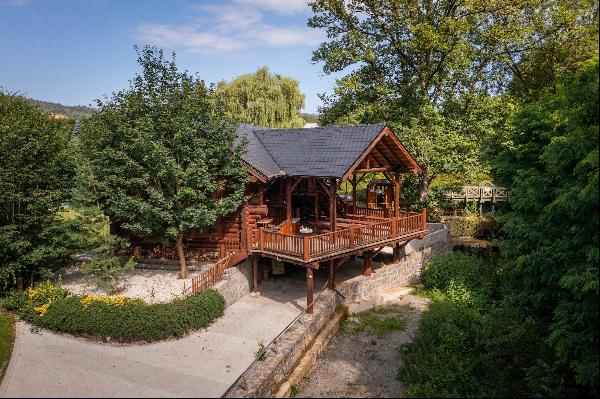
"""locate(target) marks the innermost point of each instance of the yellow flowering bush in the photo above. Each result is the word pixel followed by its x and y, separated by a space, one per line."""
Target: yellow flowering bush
pixel 110 300
pixel 42 309
pixel 45 292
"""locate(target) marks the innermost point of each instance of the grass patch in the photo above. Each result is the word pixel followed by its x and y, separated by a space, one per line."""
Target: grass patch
pixel 379 321
pixel 7 339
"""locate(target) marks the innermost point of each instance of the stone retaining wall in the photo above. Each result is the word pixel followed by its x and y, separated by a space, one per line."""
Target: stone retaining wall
pixel 236 283
pixel 282 357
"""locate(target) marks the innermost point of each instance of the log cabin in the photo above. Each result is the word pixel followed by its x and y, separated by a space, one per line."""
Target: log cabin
pixel 294 213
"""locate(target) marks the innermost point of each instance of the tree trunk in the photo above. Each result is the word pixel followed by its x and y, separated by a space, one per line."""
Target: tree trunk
pixel 182 268
pixel 423 184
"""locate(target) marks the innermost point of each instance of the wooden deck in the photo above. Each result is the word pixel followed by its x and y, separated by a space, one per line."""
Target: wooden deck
pixel 366 233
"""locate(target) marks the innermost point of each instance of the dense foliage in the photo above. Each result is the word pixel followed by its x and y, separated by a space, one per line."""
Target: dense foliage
pixel 473 343
pixel 262 99
pixel 36 173
pixel 550 160
pixel 427 68
pixel 163 158
pixel 114 318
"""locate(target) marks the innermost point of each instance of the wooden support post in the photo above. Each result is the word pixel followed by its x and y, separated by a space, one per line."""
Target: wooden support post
pixel 351 237
pixel 332 205
pixel 305 248
pixel 316 209
pixel 309 290
pixel 288 199
pixel 353 182
pixel 255 273
pixel 424 219
pixel 261 239
pixel 331 274
pixel 367 265
pixel 261 195
pixel 396 253
pixel 397 194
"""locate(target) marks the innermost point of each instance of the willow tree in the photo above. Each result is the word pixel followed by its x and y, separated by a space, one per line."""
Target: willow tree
pixel 163 157
pixel 263 99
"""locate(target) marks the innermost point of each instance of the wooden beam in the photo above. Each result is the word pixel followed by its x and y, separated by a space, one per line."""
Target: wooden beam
pixel 309 290
pixel 397 194
pixel 316 208
pixel 364 154
pixel 255 273
pixel 369 170
pixel 331 282
pixel 354 183
pixel 367 264
pixel 288 199
pixel 403 149
pixel 332 207
pixel 324 187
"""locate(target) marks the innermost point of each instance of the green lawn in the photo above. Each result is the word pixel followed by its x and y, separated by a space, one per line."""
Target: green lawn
pixel 7 338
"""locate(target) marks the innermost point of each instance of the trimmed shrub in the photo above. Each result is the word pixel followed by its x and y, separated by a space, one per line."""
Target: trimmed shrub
pixel 118 319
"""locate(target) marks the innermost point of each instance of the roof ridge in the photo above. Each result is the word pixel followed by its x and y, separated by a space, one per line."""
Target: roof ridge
pixel 266 149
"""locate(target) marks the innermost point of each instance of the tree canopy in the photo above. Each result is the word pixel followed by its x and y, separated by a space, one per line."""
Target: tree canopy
pixel 550 160
pixel 429 68
pixel 163 157
pixel 36 172
pixel 262 99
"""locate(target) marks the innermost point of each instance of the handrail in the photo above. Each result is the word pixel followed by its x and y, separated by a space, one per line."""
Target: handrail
pixel 310 247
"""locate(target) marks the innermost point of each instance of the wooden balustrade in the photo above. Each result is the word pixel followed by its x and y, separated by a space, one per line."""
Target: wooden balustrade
pixel 360 235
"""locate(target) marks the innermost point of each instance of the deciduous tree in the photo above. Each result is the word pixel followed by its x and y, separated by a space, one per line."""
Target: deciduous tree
pixel 163 156
pixel 36 172
pixel 429 67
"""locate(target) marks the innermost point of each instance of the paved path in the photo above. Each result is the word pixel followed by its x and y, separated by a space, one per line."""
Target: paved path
pixel 203 364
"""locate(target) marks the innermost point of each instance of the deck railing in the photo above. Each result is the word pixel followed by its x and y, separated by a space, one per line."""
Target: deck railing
pixel 359 236
pixel 379 212
pixel 229 247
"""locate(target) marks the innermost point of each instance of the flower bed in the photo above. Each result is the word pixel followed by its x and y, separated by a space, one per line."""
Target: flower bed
pixel 114 318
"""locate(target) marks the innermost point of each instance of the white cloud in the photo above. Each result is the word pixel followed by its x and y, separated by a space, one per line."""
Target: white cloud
pixel 186 37
pixel 235 26
pixel 280 6
pixel 277 36
pixel 228 17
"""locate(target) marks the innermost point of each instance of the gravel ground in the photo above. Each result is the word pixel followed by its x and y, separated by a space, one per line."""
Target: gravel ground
pixel 151 285
pixel 360 364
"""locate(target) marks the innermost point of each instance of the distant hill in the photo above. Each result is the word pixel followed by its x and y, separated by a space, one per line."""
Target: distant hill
pixel 310 118
pixel 70 111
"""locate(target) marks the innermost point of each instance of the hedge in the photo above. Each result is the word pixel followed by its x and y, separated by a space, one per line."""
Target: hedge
pixel 122 320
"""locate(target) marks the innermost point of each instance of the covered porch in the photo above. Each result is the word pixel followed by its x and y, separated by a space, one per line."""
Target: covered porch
pixel 310 225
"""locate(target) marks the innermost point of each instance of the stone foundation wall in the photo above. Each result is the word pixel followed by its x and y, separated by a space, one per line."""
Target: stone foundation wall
pixel 263 380
pixel 236 283
pixel 408 271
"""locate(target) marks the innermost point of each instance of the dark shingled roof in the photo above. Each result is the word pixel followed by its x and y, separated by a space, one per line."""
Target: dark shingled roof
pixel 321 152
pixel 256 155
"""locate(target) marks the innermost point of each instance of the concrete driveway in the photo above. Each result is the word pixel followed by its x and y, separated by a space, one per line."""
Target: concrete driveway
pixel 203 364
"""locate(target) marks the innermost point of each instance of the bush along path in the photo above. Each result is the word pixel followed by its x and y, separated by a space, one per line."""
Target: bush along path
pixel 7 339
pixel 114 318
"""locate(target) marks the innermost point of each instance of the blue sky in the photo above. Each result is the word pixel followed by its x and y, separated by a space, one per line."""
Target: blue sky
pixel 73 52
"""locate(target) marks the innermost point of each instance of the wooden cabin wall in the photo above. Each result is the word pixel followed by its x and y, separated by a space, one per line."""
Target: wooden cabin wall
pixel 226 228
